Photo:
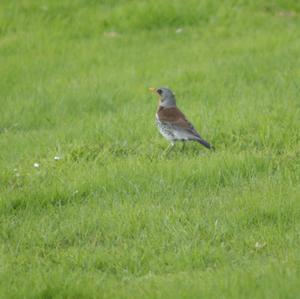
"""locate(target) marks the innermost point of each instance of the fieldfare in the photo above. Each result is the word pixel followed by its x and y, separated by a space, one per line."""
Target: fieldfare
pixel 171 122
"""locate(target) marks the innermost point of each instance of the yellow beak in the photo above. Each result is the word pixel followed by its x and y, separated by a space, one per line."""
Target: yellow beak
pixel 152 89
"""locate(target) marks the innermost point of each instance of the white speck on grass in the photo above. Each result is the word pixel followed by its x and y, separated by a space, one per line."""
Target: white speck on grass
pixel 36 165
pixel 56 158
pixel 179 30
pixel 111 34
pixel 288 14
pixel 259 245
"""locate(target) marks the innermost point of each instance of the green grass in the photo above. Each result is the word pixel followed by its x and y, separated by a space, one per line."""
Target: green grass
pixel 115 219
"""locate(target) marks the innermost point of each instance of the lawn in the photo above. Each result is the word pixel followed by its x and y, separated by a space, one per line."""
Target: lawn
pixel 89 205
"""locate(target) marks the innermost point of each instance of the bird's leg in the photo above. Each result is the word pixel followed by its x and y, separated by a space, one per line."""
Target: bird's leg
pixel 183 146
pixel 169 148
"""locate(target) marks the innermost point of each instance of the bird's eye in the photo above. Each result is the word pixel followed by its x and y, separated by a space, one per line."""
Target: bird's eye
pixel 159 91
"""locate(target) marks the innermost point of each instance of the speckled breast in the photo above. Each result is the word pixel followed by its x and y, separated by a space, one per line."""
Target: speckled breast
pixel 165 129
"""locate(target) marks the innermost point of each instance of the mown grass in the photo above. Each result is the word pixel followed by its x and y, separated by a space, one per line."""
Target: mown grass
pixel 113 218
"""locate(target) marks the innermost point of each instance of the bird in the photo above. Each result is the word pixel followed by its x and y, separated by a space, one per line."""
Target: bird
pixel 172 123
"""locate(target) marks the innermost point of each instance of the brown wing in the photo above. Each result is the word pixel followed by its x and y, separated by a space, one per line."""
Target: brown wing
pixel 176 118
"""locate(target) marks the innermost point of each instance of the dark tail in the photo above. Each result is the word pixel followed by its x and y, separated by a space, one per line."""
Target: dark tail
pixel 205 143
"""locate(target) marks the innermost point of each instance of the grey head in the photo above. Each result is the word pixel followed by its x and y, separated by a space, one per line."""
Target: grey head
pixel 166 97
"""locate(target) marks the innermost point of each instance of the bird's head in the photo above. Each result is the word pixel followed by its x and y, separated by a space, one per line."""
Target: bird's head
pixel 166 96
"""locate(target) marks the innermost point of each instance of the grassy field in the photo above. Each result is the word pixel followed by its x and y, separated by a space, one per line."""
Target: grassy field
pixel 113 218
